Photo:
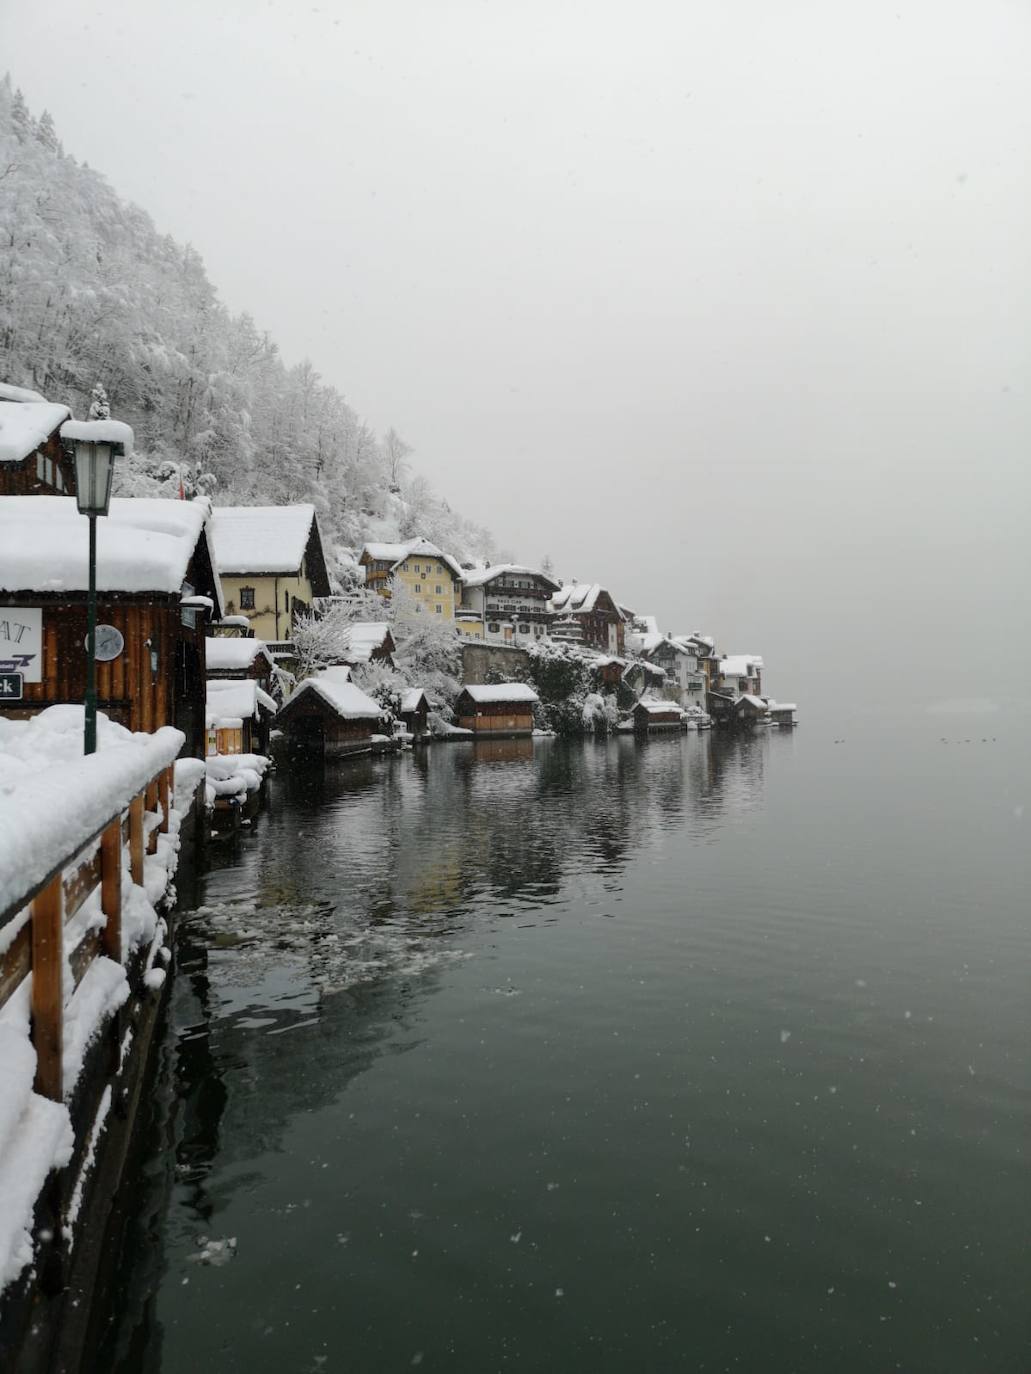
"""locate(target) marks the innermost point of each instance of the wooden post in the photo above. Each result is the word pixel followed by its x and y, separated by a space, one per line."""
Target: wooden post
pixel 111 888
pixel 165 797
pixel 136 839
pixel 48 989
pixel 151 795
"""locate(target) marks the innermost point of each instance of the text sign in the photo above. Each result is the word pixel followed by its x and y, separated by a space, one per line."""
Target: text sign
pixel 21 642
pixel 10 687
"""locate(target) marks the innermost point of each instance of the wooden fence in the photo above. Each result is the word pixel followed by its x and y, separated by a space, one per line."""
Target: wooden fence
pixel 38 947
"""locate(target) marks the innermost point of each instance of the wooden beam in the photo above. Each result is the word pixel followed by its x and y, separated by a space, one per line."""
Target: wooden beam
pixel 165 797
pixel 136 839
pixel 47 989
pixel 111 888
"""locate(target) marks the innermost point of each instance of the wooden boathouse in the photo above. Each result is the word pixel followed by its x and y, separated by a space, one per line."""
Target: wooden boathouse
pixel 329 715
pixel 503 708
pixel 649 716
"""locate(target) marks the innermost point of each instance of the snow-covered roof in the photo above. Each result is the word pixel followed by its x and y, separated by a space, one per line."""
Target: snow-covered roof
pixel 361 639
pixel 580 598
pixel 411 699
pixel 144 544
pixel 225 655
pixel 397 553
pixel 99 432
pixel 501 691
pixel 262 539
pixel 655 708
pixel 25 425
pixel 755 701
pixel 782 706
pixel 231 701
pixel 479 577
pixel 336 689
pixel 18 393
pixel 740 665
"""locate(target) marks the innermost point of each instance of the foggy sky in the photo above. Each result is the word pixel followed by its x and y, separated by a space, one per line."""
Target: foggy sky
pixel 724 306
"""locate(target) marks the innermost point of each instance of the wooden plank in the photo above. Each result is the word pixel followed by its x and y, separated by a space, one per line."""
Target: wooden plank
pixel 136 840
pixel 47 999
pixel 165 797
pixel 111 889
pixel 16 963
pixel 91 944
pixel 79 884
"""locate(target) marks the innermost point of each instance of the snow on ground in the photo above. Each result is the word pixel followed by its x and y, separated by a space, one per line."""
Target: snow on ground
pixel 52 800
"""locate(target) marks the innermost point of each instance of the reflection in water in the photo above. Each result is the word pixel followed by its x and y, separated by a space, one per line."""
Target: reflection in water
pixel 486 1058
pixel 343 905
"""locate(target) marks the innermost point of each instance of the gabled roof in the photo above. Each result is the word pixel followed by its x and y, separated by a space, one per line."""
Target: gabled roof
pixel 25 425
pixel 397 553
pixel 228 702
pixel 18 393
pixel 270 540
pixel 144 544
pixel 479 577
pixel 335 688
pixel 580 598
pixel 361 640
pixel 740 665
pixel 411 699
pixel 233 655
pixel 500 691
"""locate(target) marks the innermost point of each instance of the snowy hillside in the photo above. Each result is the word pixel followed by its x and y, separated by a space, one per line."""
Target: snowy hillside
pixel 91 291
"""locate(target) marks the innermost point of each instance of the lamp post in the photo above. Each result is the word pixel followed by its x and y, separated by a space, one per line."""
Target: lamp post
pixel 94 469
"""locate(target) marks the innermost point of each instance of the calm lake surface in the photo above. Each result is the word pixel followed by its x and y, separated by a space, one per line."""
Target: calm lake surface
pixel 702 1054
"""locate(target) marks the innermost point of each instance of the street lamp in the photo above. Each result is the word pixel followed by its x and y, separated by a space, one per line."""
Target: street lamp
pixel 94 455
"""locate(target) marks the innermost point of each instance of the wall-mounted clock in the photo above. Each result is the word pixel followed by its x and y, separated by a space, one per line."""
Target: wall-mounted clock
pixel 108 642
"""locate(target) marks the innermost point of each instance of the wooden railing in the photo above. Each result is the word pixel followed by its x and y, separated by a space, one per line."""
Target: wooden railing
pixel 38 947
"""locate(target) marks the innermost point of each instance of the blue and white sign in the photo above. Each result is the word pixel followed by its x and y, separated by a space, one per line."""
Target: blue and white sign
pixel 21 641
pixel 10 687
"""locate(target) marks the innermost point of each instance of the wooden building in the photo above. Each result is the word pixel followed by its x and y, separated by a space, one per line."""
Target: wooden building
pixel 156 589
pixel 509 600
pixel 504 708
pixel 33 461
pixel 650 716
pixel 601 623
pixel 238 717
pixel 415 712
pixel 329 715
pixel 238 659
pixel 272 565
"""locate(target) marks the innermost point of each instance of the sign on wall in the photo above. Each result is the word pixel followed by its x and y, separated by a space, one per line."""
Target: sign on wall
pixel 21 641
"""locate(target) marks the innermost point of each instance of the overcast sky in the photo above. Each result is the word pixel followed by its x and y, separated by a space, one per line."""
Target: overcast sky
pixel 725 306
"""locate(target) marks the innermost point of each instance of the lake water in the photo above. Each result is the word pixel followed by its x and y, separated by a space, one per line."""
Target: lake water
pixel 703 1054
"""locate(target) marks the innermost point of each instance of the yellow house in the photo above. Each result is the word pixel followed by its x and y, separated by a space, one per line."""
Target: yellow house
pixel 271 564
pixel 433 578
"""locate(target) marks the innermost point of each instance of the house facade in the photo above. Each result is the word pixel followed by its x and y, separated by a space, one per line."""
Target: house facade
pixel 33 461
pixel 510 601
pixel 597 621
pixel 680 658
pixel 504 708
pixel 272 565
pixel 157 588
pixel 431 577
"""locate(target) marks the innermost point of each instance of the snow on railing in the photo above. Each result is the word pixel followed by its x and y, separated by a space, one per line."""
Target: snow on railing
pixel 76 907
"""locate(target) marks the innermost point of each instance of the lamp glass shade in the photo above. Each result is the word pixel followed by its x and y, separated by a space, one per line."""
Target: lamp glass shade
pixel 94 470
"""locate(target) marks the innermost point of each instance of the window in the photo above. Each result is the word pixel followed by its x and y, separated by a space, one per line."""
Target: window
pixel 493 628
pixel 40 470
pixel 246 598
pixel 286 601
pixel 440 590
pixel 440 610
pixel 742 684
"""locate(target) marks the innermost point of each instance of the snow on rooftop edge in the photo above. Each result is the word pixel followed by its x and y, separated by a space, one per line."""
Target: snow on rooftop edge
pixel 262 539
pixel 501 691
pixel 24 426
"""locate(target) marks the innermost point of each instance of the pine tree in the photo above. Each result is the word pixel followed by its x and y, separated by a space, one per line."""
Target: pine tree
pixel 46 133
pixel 20 117
pixel 100 407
